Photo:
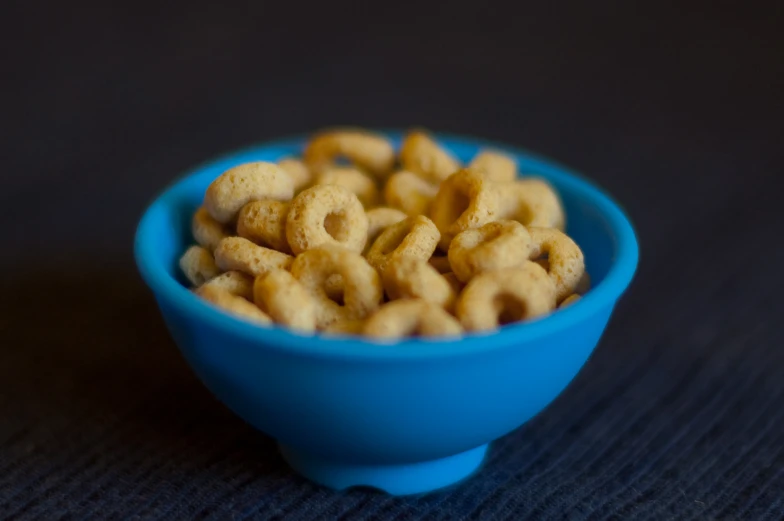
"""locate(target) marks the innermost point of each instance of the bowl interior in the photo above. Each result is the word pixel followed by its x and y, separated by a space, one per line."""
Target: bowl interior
pixel 594 221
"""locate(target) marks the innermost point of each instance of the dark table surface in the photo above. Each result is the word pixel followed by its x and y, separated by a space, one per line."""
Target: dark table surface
pixel 676 111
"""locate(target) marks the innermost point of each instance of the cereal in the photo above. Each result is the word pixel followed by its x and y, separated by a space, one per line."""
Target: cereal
pixel 584 285
pixel 565 259
pixel 363 186
pixel 300 174
pixel 244 183
pixel 198 265
pixel 285 300
pixel 345 327
pixel 370 152
pixel 233 304
pixel 537 204
pixel 409 192
pixel 235 282
pixel 421 155
pixel 571 299
pixel 362 285
pixel 264 222
pixel 410 277
pixel 414 237
pixel 453 281
pixel 496 245
pixel 496 166
pixel 507 295
pixel 237 253
pixel 326 214
pixel 411 317
pixel 379 219
pixel 207 231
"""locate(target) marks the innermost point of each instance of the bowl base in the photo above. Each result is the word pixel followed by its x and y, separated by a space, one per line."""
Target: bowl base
pixel 397 480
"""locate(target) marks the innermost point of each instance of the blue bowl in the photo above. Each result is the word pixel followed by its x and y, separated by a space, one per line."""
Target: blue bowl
pixel 409 417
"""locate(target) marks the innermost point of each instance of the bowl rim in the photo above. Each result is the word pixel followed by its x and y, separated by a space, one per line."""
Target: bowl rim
pixel 605 294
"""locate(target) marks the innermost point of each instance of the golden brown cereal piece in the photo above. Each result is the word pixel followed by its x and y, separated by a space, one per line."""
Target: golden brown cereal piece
pixel 503 296
pixel 233 304
pixel 238 253
pixel 410 277
pixel 370 152
pixel 496 245
pixel 411 317
pixel 440 263
pixel 299 172
pixel 495 165
pixel 264 222
pixel 584 285
pixel 567 264
pixel 362 292
pixel 198 265
pixel 345 327
pixel 414 237
pixel 421 155
pixel 285 300
pixel 363 186
pixel 207 231
pixel 379 219
pixel 537 204
pixel 453 281
pixel 326 214
pixel 571 299
pixel 244 183
pixel 235 282
pixel 409 192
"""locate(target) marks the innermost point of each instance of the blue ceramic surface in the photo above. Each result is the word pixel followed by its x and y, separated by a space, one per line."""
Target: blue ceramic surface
pixel 407 417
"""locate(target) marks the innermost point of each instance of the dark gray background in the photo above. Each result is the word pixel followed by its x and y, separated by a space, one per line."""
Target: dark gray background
pixel 677 111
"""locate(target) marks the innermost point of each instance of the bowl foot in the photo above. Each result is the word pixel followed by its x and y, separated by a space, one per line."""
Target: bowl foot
pixel 411 478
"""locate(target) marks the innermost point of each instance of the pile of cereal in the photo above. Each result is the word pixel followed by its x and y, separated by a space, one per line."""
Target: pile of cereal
pixel 356 239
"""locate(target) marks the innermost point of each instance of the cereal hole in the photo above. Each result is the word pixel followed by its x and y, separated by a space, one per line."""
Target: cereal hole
pixel 460 203
pixel 335 223
pixel 510 308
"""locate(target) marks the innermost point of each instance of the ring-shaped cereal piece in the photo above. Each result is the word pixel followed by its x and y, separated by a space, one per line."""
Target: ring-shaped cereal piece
pixel 240 254
pixel 504 296
pixel 565 259
pixel 232 304
pixel 300 174
pixel 198 265
pixel 244 183
pixel 420 154
pixel 496 245
pixel 414 237
pixel 362 285
pixel 409 192
pixel 410 277
pixel 495 165
pixel 323 215
pixel 285 300
pixel 264 222
pixel 363 186
pixel 538 204
pixel 235 282
pixel 371 152
pixel 465 200
pixel 207 231
pixel 379 219
pixel 411 317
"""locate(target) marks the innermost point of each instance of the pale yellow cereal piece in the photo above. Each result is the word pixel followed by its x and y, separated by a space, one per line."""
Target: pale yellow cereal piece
pixel 234 305
pixel 285 300
pixel 379 219
pixel 207 231
pixel 413 237
pixel 495 165
pixel 198 265
pixel 564 257
pixel 504 296
pixel 264 222
pixel 410 277
pixel 496 245
pixel 235 282
pixel 537 204
pixel 300 174
pixel 409 192
pixel 412 318
pixel 238 253
pixel 361 184
pixel 371 152
pixel 420 154
pixel 244 183
pixel 326 215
